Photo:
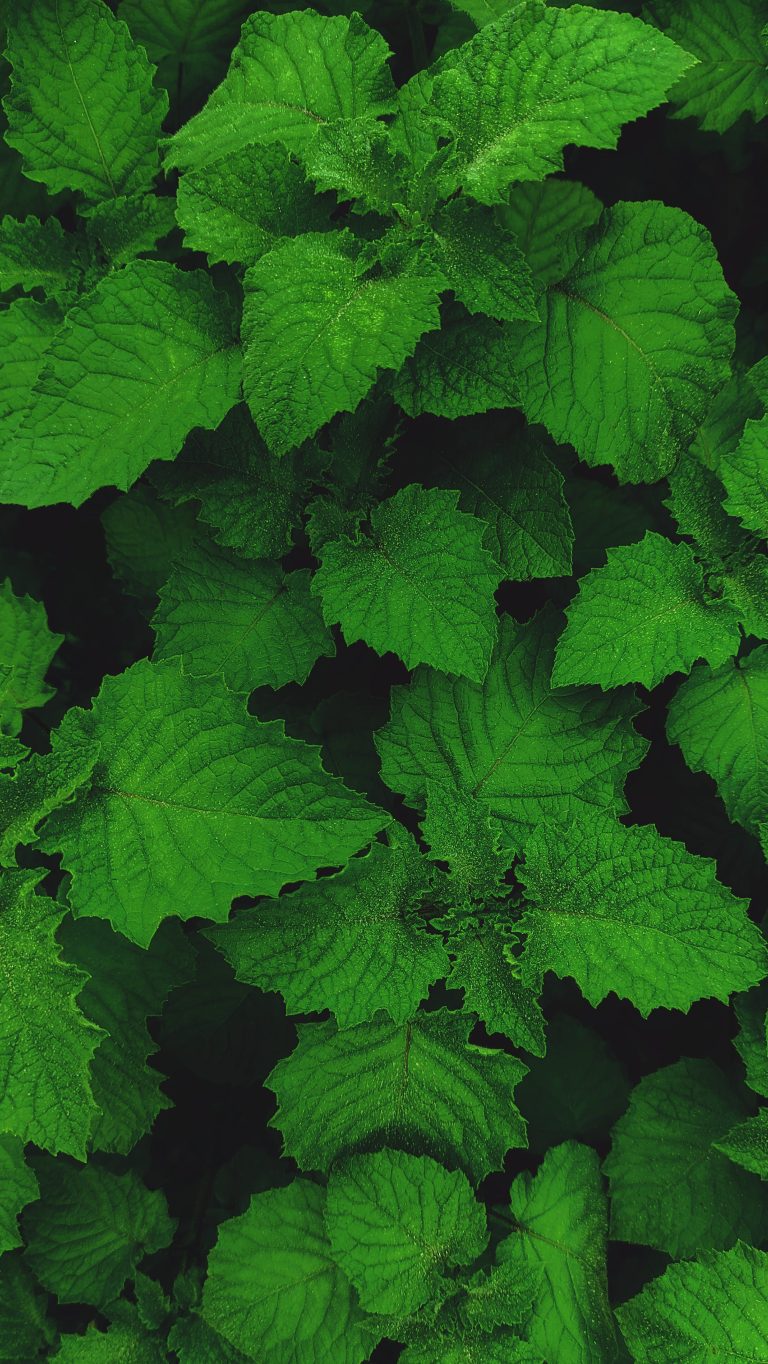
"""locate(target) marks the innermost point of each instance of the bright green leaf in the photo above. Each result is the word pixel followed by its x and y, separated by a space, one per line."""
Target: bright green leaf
pixel 465 368
pixel 744 472
pixel 483 265
pixel 39 255
pixel 26 649
pixel 550 220
pixel 747 1144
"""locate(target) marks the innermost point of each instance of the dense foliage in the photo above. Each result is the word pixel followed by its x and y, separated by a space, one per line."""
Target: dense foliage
pixel 383 700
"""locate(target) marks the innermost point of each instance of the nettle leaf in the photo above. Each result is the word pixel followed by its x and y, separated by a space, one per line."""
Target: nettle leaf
pixel 459 831
pixel 728 39
pixel 122 229
pixel 40 784
pixel 274 1289
pixel 550 220
pixel 485 969
pixel 27 329
pixel 318 325
pixel 195 1342
pixel 82 110
pixel 484 266
pixel 744 472
pixel 90 1229
pixel 396 1222
pixel 420 584
pixel 289 74
pixel 356 159
pixel 719 717
pixel 353 943
pixel 147 355
pixel 244 621
pixel 561 1225
pixel 519 493
pixel 45 1041
pixel 624 909
pixel 634 341
pixel 27 647
pixel 128 985
pixel 125 1338
pixel 465 368
pixel 41 256
pixel 713 1304
pixel 643 616
pixel 670 1187
pixel 238 209
pixel 747 1144
pixel 249 500
pixel 189 42
pixel 18 1186
pixel 187 781
pixel 539 79
pixel 414 1085
pixel 522 751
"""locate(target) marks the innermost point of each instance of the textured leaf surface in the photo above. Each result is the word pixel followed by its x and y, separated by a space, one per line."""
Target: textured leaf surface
pixel 489 976
pixel 747 1144
pixel 352 943
pixel 416 1086
pixel 90 1229
pixel 522 751
pixel 189 42
pixel 484 266
pixel 465 368
pixel 728 38
pixel 187 781
pixel 745 475
pixel 624 909
pixel 46 1044
pixel 25 1330
pixel 273 1289
pixel 144 536
pixel 289 73
pixel 39 785
pixel 633 343
pixel 751 1041
pixel 396 1222
pixel 82 111
pixel 244 621
pixel 317 329
pixel 126 227
pixel 719 717
pixel 27 329
pixel 641 617
pixel 26 649
pixel 146 356
pixel 459 831
pixel 18 1187
pixel 39 255
pixel 550 220
pixel 539 79
pixel 669 1187
pixel 421 584
pixel 125 1340
pixel 561 1230
pixel 714 1304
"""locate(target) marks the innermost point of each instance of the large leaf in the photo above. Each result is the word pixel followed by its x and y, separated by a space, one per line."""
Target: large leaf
pixel 728 38
pixel 417 1085
pixel 82 110
pixel 744 472
pixel 147 355
pixel 186 782
pixel 189 42
pixel 633 342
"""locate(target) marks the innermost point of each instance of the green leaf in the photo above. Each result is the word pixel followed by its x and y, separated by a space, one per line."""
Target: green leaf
pixel 238 209
pixel 249 501
pixel 465 368
pixel 669 1187
pixel 728 38
pixel 747 1144
pixel 289 74
pixel 144 537
pixel 39 255
pixel 189 42
pixel 241 620
pixel 353 943
pixel 504 1296
pixel 519 493
pixel 719 717
pixel 712 1305
pixel 126 227
pixel 26 649
pixel 417 1085
pixel 489 975
pixel 27 329
pixel 40 784
pixel 355 158
pixel 82 111
pixel 187 781
pixel 317 329
pixel 420 584
pixel 523 752
pixel 633 343
pixel 723 425
pixel 577 1091
pixel 396 1222
pixel 124 1339
pixel 560 1217
pixel 641 617
pixel 18 1187
pixel 751 1041
pixel 273 1289
pixel 128 985
pixel 46 1044
pixel 460 831
pixel 625 910
pixel 146 356
pixel 539 79
pixel 90 1229
pixel 25 1331
pixel 195 1342
pixel 483 266
pixel 744 472
pixel 550 221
